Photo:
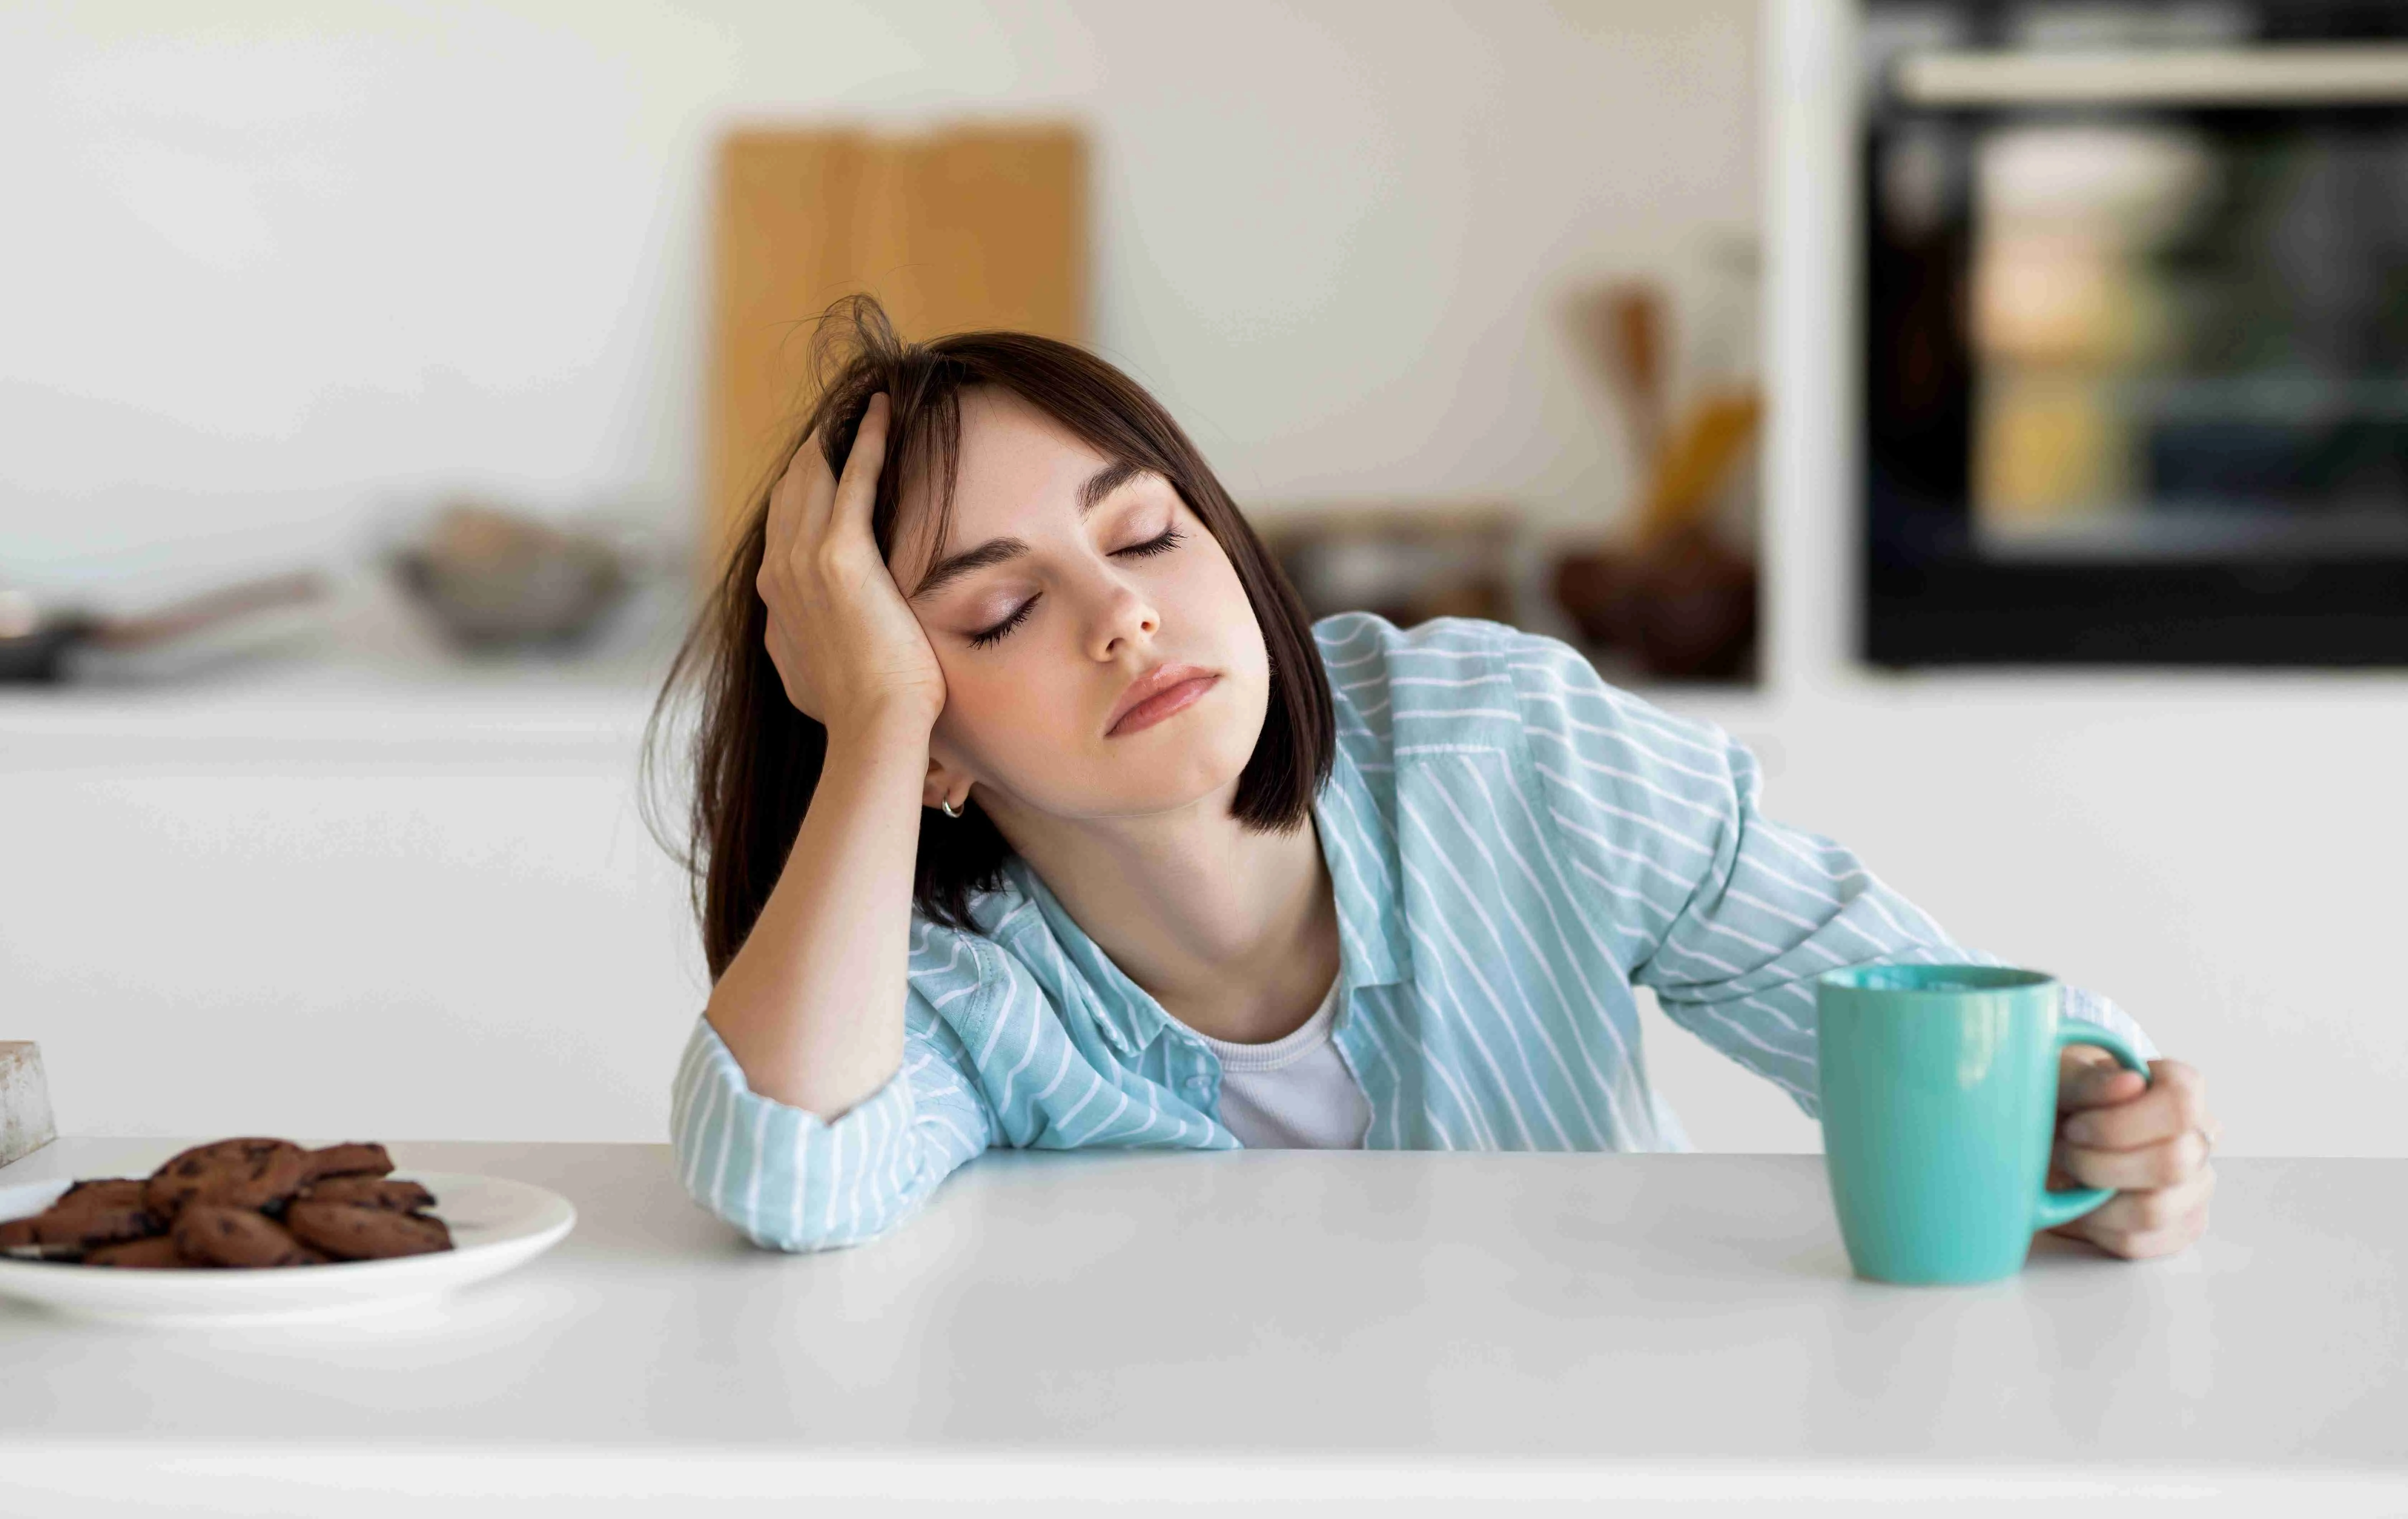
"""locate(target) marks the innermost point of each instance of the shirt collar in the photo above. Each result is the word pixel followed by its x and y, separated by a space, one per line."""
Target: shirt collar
pixel 1124 1012
pixel 1360 852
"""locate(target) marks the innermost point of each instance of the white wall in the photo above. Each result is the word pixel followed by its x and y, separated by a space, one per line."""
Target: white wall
pixel 277 264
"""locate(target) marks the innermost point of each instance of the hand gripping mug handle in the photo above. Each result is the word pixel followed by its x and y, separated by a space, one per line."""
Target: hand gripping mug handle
pixel 2058 1208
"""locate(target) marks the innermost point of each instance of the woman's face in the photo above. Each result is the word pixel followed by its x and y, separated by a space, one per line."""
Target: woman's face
pixel 1081 576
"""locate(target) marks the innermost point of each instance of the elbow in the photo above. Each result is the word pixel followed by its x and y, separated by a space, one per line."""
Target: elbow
pixel 790 1181
pixel 808 1209
pixel 787 1243
pixel 814 1233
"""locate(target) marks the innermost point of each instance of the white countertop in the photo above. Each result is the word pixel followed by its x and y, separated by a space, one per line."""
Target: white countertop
pixel 1292 1323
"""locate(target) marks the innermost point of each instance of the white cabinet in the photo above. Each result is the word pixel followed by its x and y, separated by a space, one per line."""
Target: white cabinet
pixel 327 909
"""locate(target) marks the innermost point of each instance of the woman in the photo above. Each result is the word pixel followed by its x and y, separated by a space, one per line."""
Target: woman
pixel 1030 810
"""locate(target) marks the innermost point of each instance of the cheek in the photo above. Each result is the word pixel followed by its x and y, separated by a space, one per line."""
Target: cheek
pixel 1005 711
pixel 1237 634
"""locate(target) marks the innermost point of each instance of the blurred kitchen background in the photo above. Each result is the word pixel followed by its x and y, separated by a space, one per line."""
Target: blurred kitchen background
pixel 1992 413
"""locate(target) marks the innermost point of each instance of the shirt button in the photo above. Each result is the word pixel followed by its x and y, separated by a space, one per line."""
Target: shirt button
pixel 1198 1083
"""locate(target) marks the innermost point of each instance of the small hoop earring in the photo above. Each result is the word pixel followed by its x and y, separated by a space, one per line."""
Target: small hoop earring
pixel 948 809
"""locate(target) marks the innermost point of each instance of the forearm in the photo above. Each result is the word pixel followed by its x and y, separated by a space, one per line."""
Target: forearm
pixel 811 1006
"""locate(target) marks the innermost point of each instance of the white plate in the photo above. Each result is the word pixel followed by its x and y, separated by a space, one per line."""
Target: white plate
pixel 495 1224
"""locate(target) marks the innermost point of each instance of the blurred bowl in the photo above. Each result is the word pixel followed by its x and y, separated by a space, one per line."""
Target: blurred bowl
pixel 490 579
pixel 1594 590
pixel 1684 605
pixel 1697 609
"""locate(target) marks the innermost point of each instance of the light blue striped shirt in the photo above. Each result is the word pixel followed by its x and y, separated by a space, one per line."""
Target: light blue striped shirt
pixel 1513 844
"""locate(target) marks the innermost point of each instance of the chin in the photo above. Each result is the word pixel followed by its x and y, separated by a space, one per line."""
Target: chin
pixel 1148 789
pixel 1126 780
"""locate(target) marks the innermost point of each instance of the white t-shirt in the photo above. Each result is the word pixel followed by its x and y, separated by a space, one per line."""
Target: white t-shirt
pixel 1294 1093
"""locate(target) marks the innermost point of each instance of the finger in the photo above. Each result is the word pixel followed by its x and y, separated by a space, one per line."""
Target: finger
pixel 2168 1163
pixel 2130 1246
pixel 858 489
pixel 2128 1219
pixel 807 456
pixel 2089 1077
pixel 812 487
pixel 787 498
pixel 2150 1246
pixel 2174 1102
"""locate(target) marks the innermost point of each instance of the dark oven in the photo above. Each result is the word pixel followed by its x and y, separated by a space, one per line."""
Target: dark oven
pixel 2136 334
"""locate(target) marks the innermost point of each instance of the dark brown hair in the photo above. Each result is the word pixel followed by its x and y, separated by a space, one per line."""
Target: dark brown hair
pixel 757 759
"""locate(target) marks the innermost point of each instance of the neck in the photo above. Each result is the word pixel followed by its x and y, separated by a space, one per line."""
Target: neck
pixel 1234 932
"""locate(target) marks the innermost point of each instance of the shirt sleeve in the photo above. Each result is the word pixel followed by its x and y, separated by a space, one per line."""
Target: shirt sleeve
pixel 1726 915
pixel 790 1179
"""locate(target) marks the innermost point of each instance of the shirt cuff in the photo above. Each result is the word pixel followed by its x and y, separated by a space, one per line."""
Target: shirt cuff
pixel 785 1176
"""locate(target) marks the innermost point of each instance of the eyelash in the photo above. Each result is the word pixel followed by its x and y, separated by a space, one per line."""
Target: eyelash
pixel 1171 538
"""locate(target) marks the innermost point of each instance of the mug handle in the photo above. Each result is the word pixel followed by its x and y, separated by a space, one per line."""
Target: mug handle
pixel 2058 1208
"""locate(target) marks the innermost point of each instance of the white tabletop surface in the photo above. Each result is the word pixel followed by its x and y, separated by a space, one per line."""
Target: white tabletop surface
pixel 1288 1324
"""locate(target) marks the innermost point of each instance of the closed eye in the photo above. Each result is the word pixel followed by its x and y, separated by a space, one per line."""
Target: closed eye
pixel 1171 538
pixel 980 641
pixel 1168 542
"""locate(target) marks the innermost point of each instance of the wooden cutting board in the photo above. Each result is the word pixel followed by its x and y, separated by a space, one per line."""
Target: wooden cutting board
pixel 965 229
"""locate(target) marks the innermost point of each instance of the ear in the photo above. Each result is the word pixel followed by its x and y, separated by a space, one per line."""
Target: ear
pixel 944 782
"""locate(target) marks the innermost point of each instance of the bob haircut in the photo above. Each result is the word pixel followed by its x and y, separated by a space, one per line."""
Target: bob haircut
pixel 756 758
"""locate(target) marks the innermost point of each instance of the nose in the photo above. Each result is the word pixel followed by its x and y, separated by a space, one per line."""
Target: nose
pixel 1126 618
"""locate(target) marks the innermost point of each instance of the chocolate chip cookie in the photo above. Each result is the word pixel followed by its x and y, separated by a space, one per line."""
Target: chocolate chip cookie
pixel 214 1235
pixel 388 1193
pixel 365 1158
pixel 231 1173
pixel 157 1252
pixel 351 1232
pixel 112 1191
pixel 87 1216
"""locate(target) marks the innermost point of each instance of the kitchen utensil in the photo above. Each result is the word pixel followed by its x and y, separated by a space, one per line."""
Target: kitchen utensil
pixel 1626 326
pixel 1674 593
pixel 1697 461
pixel 38 643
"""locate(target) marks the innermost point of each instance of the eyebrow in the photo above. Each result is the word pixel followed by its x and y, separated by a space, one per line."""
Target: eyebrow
pixel 1099 486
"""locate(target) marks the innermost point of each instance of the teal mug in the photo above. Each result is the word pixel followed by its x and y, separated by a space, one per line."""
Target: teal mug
pixel 1938 1087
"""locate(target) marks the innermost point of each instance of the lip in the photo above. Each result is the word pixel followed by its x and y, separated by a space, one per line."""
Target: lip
pixel 1155 694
